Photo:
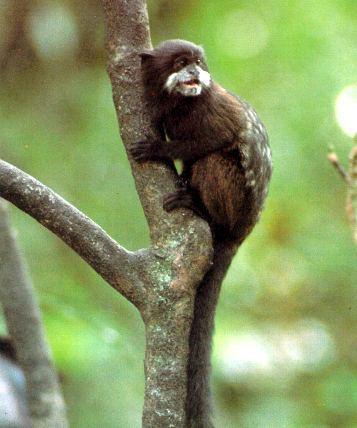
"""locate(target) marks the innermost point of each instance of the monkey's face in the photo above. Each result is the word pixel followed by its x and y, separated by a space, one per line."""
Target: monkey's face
pixel 175 67
pixel 188 78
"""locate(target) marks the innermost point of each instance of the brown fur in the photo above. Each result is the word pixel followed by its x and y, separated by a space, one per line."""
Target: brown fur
pixel 226 171
pixel 215 179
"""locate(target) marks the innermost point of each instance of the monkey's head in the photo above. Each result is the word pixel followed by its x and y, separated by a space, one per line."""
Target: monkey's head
pixel 175 67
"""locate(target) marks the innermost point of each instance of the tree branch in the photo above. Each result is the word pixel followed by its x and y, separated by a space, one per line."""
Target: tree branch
pixel 112 262
pixel 25 327
pixel 182 246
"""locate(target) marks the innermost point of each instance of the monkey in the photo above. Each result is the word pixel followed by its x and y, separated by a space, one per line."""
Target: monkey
pixel 227 166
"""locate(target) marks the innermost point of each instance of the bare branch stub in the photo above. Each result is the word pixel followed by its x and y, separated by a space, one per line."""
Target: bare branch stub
pixel 85 237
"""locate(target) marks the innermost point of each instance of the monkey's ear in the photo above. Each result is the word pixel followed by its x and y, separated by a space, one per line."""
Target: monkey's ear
pixel 146 54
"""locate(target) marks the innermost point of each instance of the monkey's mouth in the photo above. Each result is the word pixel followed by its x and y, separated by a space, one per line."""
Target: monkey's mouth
pixel 189 87
pixel 192 83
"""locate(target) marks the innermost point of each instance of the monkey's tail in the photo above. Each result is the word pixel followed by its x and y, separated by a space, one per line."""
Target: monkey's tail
pixel 198 404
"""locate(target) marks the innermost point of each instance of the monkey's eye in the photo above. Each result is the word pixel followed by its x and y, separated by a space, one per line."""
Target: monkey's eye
pixel 182 62
pixel 198 61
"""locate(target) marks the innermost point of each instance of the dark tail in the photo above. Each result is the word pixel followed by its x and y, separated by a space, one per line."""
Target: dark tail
pixel 198 405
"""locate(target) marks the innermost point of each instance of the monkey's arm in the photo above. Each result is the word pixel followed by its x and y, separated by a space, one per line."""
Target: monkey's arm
pixel 186 150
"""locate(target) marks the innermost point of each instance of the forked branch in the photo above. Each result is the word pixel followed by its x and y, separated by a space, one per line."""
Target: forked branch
pixel 84 236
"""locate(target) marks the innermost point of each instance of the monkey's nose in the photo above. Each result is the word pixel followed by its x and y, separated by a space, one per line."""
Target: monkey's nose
pixel 192 71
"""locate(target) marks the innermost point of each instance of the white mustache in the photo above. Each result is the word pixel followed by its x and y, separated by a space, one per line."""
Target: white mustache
pixel 204 78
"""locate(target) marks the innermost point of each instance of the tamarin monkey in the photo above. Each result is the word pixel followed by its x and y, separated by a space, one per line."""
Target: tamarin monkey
pixel 226 171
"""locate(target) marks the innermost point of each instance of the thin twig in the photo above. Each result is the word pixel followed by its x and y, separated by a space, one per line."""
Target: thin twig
pixel 333 158
pixel 350 178
pixel 352 192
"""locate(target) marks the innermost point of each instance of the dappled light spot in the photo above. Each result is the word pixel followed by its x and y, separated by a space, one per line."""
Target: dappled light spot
pixel 346 110
pixel 305 346
pixel 53 32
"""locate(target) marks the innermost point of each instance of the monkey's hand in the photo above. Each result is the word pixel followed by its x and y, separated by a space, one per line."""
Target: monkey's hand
pixel 147 150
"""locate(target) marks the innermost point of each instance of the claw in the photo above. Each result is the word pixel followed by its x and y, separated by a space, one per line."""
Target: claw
pixel 179 199
pixel 142 150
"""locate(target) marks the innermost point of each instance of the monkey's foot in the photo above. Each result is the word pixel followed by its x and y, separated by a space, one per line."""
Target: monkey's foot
pixel 145 150
pixel 179 199
pixel 182 198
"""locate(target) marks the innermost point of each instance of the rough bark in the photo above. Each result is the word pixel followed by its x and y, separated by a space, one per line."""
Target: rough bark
pixel 161 280
pixel 25 327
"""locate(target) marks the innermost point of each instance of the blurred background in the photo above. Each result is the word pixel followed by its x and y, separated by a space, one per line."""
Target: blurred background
pixel 285 351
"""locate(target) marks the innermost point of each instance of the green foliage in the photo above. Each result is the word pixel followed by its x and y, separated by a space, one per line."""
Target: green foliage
pixel 284 354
